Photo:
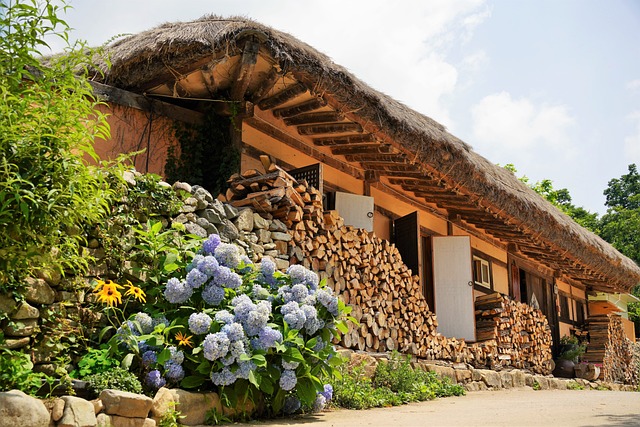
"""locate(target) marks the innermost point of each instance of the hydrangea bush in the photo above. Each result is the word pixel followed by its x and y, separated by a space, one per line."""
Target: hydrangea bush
pixel 245 329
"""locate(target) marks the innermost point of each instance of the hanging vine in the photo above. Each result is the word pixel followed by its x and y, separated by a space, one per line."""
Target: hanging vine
pixel 205 156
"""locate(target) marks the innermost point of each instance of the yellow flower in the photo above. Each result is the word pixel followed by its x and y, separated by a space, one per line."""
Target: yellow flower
pixel 136 292
pixel 183 339
pixel 107 292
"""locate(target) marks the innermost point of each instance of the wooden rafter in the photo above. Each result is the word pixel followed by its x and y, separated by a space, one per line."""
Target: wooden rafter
pixel 362 149
pixel 282 97
pixel 318 117
pixel 323 129
pixel 343 140
pixel 245 71
pixel 303 107
pixel 265 86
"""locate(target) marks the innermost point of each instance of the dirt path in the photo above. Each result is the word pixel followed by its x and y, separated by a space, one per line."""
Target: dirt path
pixel 500 408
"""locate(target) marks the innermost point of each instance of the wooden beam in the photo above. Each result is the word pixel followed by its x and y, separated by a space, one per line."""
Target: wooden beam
pixel 303 107
pixel 406 174
pixel 309 118
pixel 322 129
pixel 144 103
pixel 206 72
pixel 282 97
pixel 265 86
pixel 394 159
pixel 362 149
pixel 274 132
pixel 245 71
pixel 414 181
pixel 343 140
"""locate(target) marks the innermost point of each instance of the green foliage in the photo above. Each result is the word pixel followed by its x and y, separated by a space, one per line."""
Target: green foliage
pixel 536 385
pixel 624 192
pixel 206 155
pixel 394 383
pixel 116 379
pixel 574 385
pixel 215 418
pixel 47 127
pixel 171 417
pixel 94 361
pixel 16 372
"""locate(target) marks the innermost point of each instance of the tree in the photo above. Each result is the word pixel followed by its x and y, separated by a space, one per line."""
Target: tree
pixel 562 200
pixel 47 128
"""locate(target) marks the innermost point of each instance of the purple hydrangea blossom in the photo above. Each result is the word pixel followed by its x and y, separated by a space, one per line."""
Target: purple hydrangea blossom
pixel 320 403
pixel 312 279
pixel 319 345
pixel 227 255
pixel 288 380
pixel 260 293
pixel 227 278
pixel 299 292
pixel 196 278
pixel 209 265
pixel 267 338
pixel 177 292
pixel 267 267
pixel 209 246
pixel 224 317
pixel 177 356
pixel 149 357
pixel 199 323
pixel 145 322
pixel 328 392
pixel 160 320
pixel 234 331
pixel 291 405
pixel 297 273
pixel 244 368
pixel 290 365
pixel 213 294
pixel 215 346
pixel 154 380
pixel 195 262
pixel 173 371
pixel 224 377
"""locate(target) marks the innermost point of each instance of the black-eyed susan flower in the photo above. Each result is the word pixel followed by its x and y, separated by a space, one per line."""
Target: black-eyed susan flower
pixel 135 292
pixel 108 293
pixel 184 340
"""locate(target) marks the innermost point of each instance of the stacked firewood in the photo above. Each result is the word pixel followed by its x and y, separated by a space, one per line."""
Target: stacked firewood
pixel 609 346
pixel 369 275
pixel 521 333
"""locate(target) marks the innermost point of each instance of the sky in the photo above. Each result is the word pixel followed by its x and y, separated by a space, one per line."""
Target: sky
pixel 551 86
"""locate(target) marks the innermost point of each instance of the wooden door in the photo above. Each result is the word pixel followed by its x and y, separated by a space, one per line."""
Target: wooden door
pixel 406 236
pixel 453 286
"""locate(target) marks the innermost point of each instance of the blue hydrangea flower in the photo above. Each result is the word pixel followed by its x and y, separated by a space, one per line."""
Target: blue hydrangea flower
pixel 289 307
pixel 209 265
pixel 291 405
pixel 160 320
pixel 226 278
pixel 195 262
pixel 145 322
pixel 149 357
pixel 312 279
pixel 259 292
pixel 154 380
pixel 177 356
pixel 248 264
pixel 267 267
pixel 173 371
pixel 209 246
pixel 320 403
pixel 328 392
pixel 297 273
pixel 244 368
pixel 199 323
pixel 234 331
pixel 319 345
pixel 227 255
pixel 213 294
pixel 288 380
pixel 267 338
pixel 290 365
pixel 215 346
pixel 299 292
pixel 224 377
pixel 326 298
pixel 196 278
pixel 224 317
pixel 177 292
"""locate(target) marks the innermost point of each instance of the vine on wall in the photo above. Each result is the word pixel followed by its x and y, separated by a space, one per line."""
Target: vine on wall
pixel 206 155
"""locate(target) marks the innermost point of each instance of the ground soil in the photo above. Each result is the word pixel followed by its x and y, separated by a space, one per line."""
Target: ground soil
pixel 515 407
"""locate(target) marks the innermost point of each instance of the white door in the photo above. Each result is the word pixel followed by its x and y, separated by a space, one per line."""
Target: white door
pixel 355 209
pixel 453 287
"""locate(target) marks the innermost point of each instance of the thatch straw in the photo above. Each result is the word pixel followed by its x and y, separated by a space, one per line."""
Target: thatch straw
pixel 142 58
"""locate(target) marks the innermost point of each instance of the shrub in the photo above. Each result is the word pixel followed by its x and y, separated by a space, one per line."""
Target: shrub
pixel 16 373
pixel 248 331
pixel 116 379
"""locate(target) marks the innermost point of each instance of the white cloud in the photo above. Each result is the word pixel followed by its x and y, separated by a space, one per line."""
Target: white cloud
pixel 632 142
pixel 634 85
pixel 517 127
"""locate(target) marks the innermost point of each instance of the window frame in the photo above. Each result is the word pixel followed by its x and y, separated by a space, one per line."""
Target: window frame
pixel 482 286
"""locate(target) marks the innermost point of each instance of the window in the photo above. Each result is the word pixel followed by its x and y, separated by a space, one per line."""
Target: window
pixel 565 315
pixel 481 272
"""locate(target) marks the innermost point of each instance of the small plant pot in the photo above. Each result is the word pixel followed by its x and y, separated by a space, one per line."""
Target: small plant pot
pixel 564 369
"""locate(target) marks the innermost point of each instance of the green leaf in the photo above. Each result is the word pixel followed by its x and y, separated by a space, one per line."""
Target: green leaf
pixel 255 379
pixel 342 327
pixel 192 381
pixel 164 356
pixel 293 355
pixel 311 343
pixel 259 360
pixel 204 368
pixel 126 362
pixel 266 385
pixel 306 391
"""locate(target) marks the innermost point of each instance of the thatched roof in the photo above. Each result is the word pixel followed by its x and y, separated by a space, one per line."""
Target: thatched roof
pixel 167 52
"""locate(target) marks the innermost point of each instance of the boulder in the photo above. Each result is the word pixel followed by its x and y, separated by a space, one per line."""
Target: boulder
pixel 244 220
pixel 77 413
pixel 19 409
pixel 229 211
pixel 193 228
pixel 57 409
pixel 125 404
pixel 38 291
pixel 491 378
pixel 443 371
pixel 26 311
pixel 278 235
pixel 213 216
pixel 507 379
pixel 182 186
pixel 260 223
pixel 104 420
pixel 519 378
pixel 193 407
pixel 21 328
